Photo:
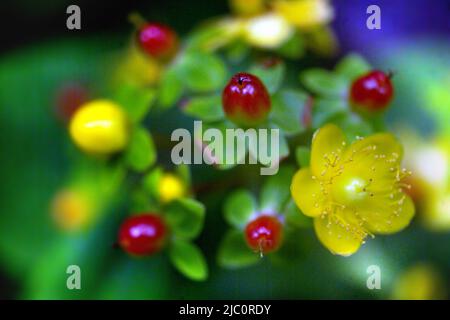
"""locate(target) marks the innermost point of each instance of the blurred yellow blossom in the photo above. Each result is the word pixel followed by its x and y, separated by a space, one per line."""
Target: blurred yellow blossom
pixel 267 31
pixel 304 13
pixel 429 161
pixel 137 68
pixel 247 7
pixel 419 282
pixel 353 191
pixel 269 24
pixel 71 210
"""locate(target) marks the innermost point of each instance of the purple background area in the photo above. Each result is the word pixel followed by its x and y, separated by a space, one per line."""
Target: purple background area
pixel 401 20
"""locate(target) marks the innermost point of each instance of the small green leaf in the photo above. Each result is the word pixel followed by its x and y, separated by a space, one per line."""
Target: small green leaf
pixel 203 72
pixel 141 202
pixel 207 108
pixel 325 109
pixel 189 260
pixel 302 155
pixel 352 66
pixel 294 217
pixel 239 207
pixel 171 87
pixel 237 51
pixel 135 100
pixel 294 48
pixel 276 190
pixel 151 181
pixel 325 83
pixel 272 77
pixel 185 217
pixel 184 173
pixel 141 152
pixel 234 252
pixel 287 108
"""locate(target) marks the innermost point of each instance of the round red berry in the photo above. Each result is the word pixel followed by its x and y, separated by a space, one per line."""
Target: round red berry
pixel 69 98
pixel 245 100
pixel 142 234
pixel 264 234
pixel 372 91
pixel 158 40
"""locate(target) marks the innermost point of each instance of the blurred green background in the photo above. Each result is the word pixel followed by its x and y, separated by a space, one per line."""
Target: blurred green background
pixel 39 56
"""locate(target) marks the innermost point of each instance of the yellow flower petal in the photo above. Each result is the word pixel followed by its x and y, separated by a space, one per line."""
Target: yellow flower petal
pixel 382 145
pixel 390 218
pixel 327 147
pixel 337 235
pixel 305 13
pixel 307 193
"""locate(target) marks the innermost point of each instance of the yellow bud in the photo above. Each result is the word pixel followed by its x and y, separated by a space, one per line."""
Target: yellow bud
pixel 100 127
pixel 70 210
pixel 170 188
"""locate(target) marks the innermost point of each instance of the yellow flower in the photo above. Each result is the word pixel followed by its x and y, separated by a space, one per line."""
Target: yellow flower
pixel 100 127
pixel 352 191
pixel 267 31
pixel 170 188
pixel 419 282
pixel 304 13
pixel 71 210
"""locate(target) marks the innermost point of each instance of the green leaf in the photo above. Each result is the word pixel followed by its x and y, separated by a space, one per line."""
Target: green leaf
pixel 325 109
pixel 151 181
pixel 287 108
pixel 239 206
pixel 303 155
pixel 276 190
pixel 209 37
pixel 325 83
pixel 141 202
pixel 141 153
pixel 291 251
pixel 136 101
pixel 234 253
pixel 185 217
pixel 203 72
pixel 272 77
pixel 294 217
pixel 207 108
pixel 184 173
pixel 171 87
pixel 237 51
pixel 284 147
pixel 294 48
pixel 352 66
pixel 189 260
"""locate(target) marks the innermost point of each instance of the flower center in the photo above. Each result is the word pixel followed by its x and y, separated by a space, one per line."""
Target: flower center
pixel 349 190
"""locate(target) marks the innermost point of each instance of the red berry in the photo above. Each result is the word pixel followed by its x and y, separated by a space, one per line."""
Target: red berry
pixel 142 234
pixel 372 91
pixel 69 98
pixel 264 234
pixel 158 40
pixel 245 100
